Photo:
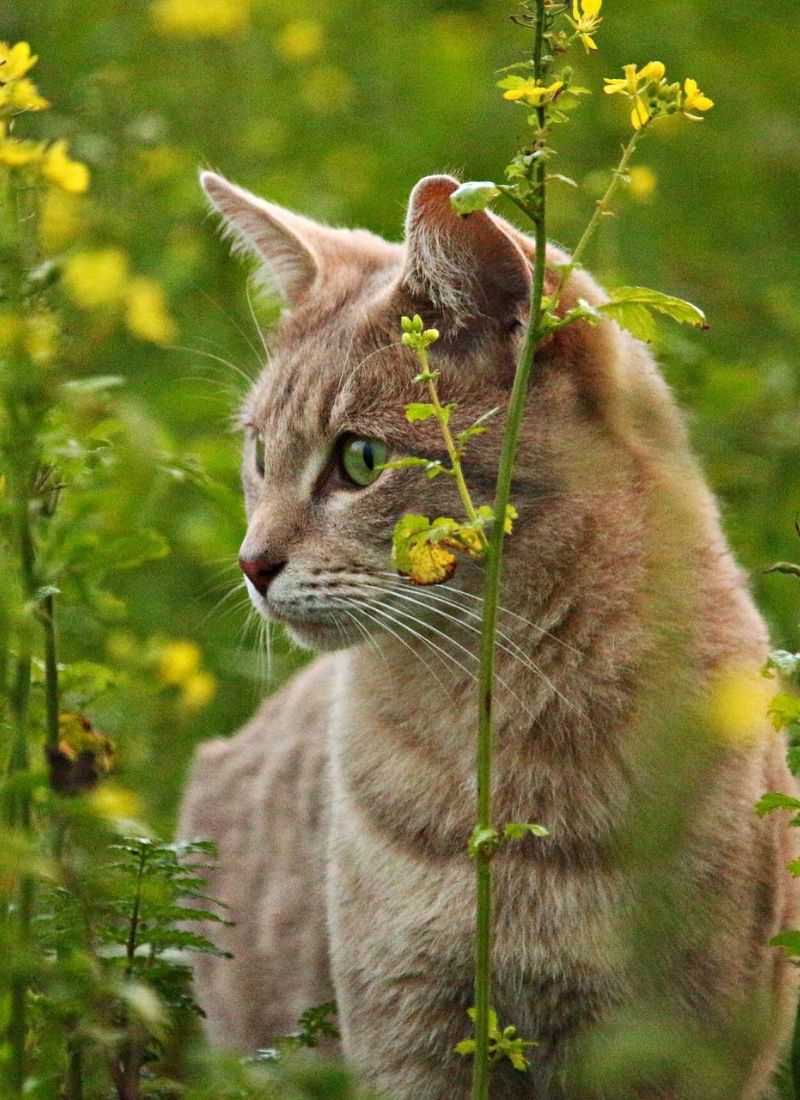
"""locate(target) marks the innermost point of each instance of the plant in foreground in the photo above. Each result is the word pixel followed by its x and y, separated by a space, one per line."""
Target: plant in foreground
pixel 423 548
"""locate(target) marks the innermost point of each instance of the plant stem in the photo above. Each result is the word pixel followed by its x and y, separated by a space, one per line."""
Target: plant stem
pixel 51 672
pixel 483 937
pixel 452 450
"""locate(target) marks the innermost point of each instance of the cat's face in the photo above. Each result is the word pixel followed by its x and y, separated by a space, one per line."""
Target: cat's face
pixel 329 406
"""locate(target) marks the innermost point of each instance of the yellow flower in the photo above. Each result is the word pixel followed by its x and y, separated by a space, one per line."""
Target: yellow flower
pixel 528 90
pixel 693 99
pixel 41 337
pixel 200 18
pixel 11 329
pixel 60 220
pixel 68 174
pixel 430 563
pixel 18 154
pixel 15 61
pixel 634 79
pixel 737 705
pixel 586 19
pixel 146 313
pixel 96 278
pixel 23 95
pixel 114 803
pixel 178 662
pixel 300 40
pixel 198 690
pixel 643 181
pixel 640 115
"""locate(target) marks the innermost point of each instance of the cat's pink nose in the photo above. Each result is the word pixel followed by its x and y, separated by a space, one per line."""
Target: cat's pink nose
pixel 261 572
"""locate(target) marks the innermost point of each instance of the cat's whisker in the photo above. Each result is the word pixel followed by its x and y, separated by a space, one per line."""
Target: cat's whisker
pixel 370 614
pixel 230 318
pixel 247 291
pixel 452 591
pixel 214 358
pixel 216 610
pixel 512 649
pixel 463 648
pixel 366 358
pixel 446 658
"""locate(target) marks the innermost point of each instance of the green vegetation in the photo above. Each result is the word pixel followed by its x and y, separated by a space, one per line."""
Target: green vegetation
pixel 126 341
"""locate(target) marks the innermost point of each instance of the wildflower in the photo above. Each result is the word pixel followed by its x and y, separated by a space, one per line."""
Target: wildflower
pixel 15 61
pixel 634 79
pixel 529 90
pixel 178 662
pixel 114 803
pixel 60 221
pixel 68 174
pixel 146 312
pixel 18 154
pixel 643 182
pixel 198 690
pixel 694 100
pixel 737 705
pixel 41 337
pixel 192 19
pixel 300 40
pixel 586 19
pixel 96 278
pixel 22 95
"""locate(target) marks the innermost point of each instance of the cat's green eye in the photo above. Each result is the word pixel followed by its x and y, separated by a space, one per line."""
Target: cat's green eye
pixel 361 459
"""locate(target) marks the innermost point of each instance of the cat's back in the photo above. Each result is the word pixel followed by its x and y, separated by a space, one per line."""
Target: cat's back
pixel 261 796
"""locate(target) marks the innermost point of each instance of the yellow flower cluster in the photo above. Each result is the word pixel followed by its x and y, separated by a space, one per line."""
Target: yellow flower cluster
pixel 200 18
pixel 652 97
pixel 101 279
pixel 585 20
pixel 35 335
pixel 528 91
pixel 18 94
pixel 179 665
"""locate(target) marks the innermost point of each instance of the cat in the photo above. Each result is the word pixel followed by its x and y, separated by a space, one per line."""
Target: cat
pixel 630 943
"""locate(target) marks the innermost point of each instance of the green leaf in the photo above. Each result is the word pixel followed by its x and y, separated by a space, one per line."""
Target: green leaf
pixel 788 940
pixel 419 410
pixel 516 830
pixel 475 195
pixel 783 662
pixel 484 839
pixel 628 304
pixel 784 710
pixel 404 463
pixel 406 529
pixel 466 1046
pixel 129 551
pixel 774 800
pixel 794 868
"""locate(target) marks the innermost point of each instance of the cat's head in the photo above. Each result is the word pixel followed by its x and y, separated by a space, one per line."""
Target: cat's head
pixel 329 406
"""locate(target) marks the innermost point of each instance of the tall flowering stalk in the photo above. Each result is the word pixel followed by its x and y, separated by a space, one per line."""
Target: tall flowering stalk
pixel 547 97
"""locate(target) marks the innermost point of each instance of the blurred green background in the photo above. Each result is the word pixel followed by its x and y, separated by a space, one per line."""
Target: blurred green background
pixel 336 108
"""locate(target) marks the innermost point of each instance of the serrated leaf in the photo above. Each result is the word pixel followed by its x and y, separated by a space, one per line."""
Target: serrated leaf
pixel 685 313
pixel 419 410
pixel 632 316
pixel 774 800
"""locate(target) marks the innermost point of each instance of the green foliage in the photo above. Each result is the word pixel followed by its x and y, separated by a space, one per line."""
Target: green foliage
pixel 503 1043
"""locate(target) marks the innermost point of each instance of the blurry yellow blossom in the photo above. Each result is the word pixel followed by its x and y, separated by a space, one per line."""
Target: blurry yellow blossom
pixel 586 19
pixel 60 220
pixel 693 99
pixel 737 705
pixel 22 95
pixel 96 278
pixel 528 90
pixel 115 803
pixel 643 182
pixel 15 61
pixel 326 89
pixel 11 329
pixel 198 690
pixel 58 168
pixel 178 661
pixel 300 40
pixel 41 337
pixel 15 153
pixel 200 18
pixel 146 313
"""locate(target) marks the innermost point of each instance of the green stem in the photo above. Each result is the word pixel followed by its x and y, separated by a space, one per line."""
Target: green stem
pixel 51 672
pixel 483 936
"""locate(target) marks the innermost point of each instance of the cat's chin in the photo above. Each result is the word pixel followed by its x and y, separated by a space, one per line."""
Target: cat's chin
pixel 319 637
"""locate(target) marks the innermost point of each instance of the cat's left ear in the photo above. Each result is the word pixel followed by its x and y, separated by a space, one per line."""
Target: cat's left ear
pixel 470 267
pixel 288 244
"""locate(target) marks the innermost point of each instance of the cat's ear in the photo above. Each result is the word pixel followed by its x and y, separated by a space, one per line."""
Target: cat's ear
pixel 287 244
pixel 467 266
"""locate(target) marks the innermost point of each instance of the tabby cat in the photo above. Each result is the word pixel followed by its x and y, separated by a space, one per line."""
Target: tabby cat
pixel 631 943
